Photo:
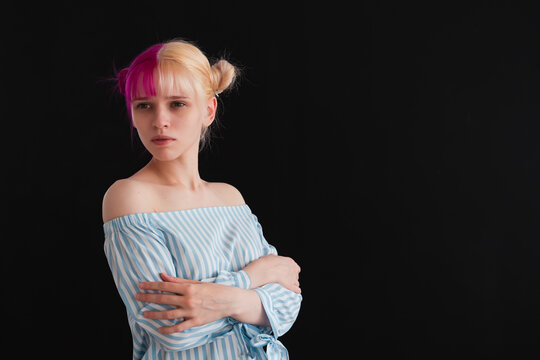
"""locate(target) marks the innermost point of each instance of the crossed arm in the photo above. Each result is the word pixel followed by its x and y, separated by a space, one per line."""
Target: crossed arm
pixel 265 291
pixel 199 303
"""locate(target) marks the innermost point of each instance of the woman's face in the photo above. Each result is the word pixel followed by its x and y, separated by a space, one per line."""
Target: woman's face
pixel 170 125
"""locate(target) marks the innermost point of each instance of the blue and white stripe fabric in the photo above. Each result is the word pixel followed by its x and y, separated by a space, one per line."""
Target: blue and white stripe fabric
pixel 210 244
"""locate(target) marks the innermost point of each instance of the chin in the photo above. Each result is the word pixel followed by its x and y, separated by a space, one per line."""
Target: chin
pixel 165 155
pixel 168 154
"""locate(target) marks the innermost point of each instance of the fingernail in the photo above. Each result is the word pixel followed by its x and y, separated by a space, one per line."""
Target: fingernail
pixel 142 285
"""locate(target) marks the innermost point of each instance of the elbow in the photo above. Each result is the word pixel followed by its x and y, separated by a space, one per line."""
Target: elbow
pixel 286 319
pixel 282 308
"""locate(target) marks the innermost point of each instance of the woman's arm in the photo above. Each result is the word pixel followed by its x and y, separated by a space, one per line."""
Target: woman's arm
pixel 274 300
pixel 199 303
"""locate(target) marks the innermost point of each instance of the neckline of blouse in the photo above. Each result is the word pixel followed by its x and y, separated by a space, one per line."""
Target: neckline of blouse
pixel 147 213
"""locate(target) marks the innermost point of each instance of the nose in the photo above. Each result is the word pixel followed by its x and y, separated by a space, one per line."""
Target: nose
pixel 161 118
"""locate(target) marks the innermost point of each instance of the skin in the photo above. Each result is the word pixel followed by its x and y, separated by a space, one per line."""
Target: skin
pixel 170 182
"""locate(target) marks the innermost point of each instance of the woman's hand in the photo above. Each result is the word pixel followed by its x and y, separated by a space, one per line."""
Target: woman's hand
pixel 274 269
pixel 200 303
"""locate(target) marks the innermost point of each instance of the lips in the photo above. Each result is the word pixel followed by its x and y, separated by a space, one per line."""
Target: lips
pixel 162 139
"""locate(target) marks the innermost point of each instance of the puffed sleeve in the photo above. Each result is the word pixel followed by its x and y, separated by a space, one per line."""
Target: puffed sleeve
pixel 280 304
pixel 136 252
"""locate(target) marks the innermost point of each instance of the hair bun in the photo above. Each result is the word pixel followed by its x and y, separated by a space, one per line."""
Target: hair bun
pixel 223 75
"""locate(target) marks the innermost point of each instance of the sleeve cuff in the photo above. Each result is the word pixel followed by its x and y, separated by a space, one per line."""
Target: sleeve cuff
pixel 243 280
pixel 266 301
pixel 239 279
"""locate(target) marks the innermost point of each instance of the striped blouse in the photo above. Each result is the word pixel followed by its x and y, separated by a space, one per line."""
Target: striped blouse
pixel 209 244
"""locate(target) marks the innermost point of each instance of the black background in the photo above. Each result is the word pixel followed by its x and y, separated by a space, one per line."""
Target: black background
pixel 390 148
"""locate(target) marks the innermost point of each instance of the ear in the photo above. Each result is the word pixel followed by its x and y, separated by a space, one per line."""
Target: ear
pixel 211 108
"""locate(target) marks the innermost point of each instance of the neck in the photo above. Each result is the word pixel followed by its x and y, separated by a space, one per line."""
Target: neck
pixel 183 171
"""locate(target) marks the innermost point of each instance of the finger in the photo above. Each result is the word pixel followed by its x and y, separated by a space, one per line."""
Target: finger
pixel 295 287
pixel 162 286
pixel 178 280
pixel 165 314
pixel 159 299
pixel 184 325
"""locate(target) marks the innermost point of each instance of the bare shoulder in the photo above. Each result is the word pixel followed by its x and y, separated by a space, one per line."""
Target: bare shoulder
pixel 125 196
pixel 228 194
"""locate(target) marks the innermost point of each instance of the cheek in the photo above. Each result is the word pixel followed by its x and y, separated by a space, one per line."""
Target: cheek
pixel 188 131
pixel 189 121
pixel 138 121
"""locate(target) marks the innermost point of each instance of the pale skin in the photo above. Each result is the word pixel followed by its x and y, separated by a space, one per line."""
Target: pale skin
pixel 170 182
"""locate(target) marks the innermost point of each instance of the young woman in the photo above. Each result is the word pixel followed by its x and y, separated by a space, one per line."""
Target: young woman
pixel 188 256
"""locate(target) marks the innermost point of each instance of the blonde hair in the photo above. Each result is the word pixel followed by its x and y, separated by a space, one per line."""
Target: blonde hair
pixel 168 60
pixel 213 79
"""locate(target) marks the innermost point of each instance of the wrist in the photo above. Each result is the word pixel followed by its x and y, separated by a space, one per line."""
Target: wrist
pixel 258 277
pixel 238 302
pixel 247 308
pixel 260 271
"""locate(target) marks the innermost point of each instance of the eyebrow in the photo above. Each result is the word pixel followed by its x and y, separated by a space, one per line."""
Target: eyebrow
pixel 143 98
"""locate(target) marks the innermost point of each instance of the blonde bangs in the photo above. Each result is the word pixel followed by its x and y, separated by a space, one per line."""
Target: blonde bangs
pixel 171 79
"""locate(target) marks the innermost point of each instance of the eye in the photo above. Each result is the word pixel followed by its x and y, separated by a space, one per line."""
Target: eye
pixel 177 104
pixel 143 106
